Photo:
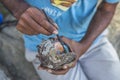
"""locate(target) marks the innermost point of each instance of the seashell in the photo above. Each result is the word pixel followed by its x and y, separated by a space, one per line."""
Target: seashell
pixel 52 55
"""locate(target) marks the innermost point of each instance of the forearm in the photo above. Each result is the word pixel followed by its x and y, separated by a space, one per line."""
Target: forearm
pixel 16 7
pixel 99 23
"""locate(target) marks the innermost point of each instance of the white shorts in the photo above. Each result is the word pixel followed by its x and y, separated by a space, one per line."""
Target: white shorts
pixel 100 62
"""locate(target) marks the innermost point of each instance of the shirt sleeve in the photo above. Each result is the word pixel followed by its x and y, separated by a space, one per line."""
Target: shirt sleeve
pixel 112 1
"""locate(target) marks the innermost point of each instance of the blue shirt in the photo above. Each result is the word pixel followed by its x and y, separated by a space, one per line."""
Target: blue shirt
pixel 73 21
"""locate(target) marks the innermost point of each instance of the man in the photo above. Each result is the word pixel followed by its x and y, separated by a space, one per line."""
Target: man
pixel 82 26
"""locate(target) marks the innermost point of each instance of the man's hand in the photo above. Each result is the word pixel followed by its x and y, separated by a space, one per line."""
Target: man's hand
pixel 76 47
pixel 33 21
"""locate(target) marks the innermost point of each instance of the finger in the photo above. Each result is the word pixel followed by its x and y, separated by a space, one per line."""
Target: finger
pixel 67 41
pixel 70 65
pixel 62 72
pixel 24 32
pixel 40 19
pixel 24 28
pixel 65 67
pixel 56 26
pixel 45 16
pixel 43 68
pixel 55 72
pixel 35 26
pixel 21 28
pixel 58 72
pixel 51 21
pixel 49 27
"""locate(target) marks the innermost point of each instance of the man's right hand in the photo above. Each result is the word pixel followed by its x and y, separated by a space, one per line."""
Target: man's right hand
pixel 33 21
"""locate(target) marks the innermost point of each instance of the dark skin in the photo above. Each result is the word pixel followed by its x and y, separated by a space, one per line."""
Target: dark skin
pixel 99 23
pixel 32 21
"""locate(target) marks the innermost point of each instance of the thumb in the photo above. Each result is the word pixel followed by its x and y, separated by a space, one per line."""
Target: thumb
pixel 66 41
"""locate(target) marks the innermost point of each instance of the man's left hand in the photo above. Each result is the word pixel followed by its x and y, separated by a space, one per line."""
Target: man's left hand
pixel 77 47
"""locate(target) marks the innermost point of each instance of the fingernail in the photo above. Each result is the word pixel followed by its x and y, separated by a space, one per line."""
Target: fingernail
pixel 50 71
pixel 65 67
pixel 55 32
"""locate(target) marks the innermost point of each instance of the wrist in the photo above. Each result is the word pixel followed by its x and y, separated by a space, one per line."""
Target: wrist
pixel 16 7
pixel 86 41
pixel 17 12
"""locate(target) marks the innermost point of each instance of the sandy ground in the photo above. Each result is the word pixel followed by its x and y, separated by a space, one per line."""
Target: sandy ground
pixel 115 24
pixel 114 30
